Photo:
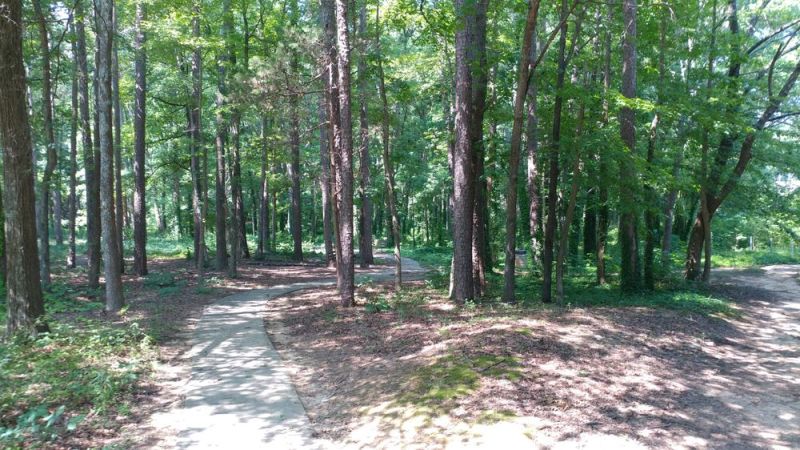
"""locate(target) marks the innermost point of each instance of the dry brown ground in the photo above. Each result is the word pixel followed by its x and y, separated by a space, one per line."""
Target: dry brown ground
pixel 431 376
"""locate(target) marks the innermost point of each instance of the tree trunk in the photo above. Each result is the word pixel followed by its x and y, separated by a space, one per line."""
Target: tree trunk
pixel 325 168
pixel 23 289
pixel 72 200
pixel 523 79
pixel 236 199
pixel 118 197
pixel 105 32
pixel 196 144
pixel 221 135
pixel 388 169
pixel 629 270
pixel 344 165
pixel 139 130
pixel 50 144
pixel 533 169
pixel 602 188
pixel 553 170
pixel 365 212
pixel 477 56
pixel 295 213
pixel 263 202
pixel 89 163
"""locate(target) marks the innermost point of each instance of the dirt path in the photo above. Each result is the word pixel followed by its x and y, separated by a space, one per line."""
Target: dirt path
pixel 765 387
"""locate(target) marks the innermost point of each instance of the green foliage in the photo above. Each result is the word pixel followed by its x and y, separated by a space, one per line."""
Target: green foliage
pixel 51 383
pixel 406 304
pixel 746 258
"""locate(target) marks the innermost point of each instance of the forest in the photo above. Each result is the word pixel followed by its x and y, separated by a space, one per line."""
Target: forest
pixel 483 189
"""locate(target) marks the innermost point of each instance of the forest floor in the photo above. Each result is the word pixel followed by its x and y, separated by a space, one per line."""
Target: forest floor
pixel 414 372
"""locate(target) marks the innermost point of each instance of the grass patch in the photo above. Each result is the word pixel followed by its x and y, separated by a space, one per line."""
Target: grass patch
pixel 437 387
pixel 747 258
pixel 52 383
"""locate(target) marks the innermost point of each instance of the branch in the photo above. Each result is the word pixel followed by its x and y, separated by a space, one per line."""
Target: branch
pixel 763 40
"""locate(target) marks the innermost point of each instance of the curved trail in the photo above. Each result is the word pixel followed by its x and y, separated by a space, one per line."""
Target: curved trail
pixel 240 394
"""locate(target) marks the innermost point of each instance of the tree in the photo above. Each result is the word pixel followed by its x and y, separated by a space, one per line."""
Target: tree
pixel 523 78
pixel 105 32
pixel 139 131
pixel 223 60
pixel 72 199
pixel 23 289
pixel 388 168
pixel 344 164
pixel 365 212
pixel 198 169
pixel 629 245
pixel 90 163
pixel 50 145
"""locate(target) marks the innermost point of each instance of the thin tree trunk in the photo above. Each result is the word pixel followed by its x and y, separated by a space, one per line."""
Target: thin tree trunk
pixel 105 31
pixel 50 144
pixel 533 169
pixel 24 300
pixel 523 79
pixel 263 202
pixel 221 136
pixel 139 130
pixel 553 171
pixel 118 197
pixel 365 212
pixel 388 169
pixel 629 270
pixel 72 200
pixel 602 189
pixel 325 168
pixel 236 199
pixel 295 213
pixel 195 119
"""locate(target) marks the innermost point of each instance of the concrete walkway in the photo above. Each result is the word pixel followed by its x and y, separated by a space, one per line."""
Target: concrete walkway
pixel 240 395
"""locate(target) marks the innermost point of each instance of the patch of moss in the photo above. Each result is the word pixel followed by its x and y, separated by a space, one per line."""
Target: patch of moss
pixel 440 385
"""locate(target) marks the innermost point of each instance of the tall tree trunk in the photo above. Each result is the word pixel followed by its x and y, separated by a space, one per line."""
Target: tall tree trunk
pixel 325 168
pixel 553 170
pixel 236 199
pixel 533 169
pixel 477 56
pixel 463 176
pixel 222 92
pixel 344 166
pixel 295 213
pixel 629 270
pixel 139 130
pixel 388 169
pixel 365 212
pixel 602 188
pixel 197 166
pixel 523 79
pixel 105 32
pixel 72 199
pixel 118 197
pixel 50 143
pixel 23 289
pixel 263 203
pixel 89 160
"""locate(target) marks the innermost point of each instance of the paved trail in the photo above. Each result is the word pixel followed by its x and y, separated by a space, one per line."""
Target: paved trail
pixel 240 394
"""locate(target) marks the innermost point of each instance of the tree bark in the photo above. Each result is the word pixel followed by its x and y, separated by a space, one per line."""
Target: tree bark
pixel 325 168
pixel 89 163
pixel 195 119
pixel 263 207
pixel 139 130
pixel 344 166
pixel 554 170
pixel 388 169
pixel 105 31
pixel 50 144
pixel 23 289
pixel 118 196
pixel 72 199
pixel 295 213
pixel 602 188
pixel 523 79
pixel 236 199
pixel 480 216
pixel 533 169
pixel 365 212
pixel 221 136
pixel 629 270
